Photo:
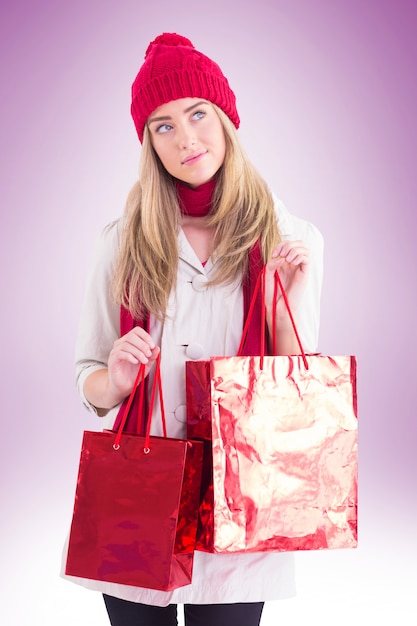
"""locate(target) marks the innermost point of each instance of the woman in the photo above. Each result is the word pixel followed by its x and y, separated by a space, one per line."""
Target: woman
pixel 175 275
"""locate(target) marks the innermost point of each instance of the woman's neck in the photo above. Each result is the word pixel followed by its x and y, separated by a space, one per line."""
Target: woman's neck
pixel 197 201
pixel 195 205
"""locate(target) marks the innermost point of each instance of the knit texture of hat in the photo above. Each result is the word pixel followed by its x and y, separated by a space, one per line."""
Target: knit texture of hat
pixel 174 69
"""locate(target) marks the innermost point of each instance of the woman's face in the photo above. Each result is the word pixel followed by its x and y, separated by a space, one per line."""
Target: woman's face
pixel 188 137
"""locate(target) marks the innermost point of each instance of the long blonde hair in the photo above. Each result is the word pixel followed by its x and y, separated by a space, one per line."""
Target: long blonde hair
pixel 242 212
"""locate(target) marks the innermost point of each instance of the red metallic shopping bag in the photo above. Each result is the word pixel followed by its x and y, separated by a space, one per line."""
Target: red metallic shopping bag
pixel 280 460
pixel 136 502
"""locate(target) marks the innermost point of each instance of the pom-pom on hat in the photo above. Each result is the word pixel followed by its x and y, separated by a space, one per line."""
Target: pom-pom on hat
pixel 174 69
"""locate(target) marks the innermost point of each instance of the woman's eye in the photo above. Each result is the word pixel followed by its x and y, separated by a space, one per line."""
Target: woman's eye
pixel 163 128
pixel 198 115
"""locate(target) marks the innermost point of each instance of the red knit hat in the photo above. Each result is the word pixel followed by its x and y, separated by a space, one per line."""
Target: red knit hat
pixel 174 69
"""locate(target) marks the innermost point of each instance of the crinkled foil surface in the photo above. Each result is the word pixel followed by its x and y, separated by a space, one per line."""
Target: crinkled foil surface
pixel 284 453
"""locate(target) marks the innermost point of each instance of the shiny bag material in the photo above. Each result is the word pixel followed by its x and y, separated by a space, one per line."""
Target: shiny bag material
pixel 135 511
pixel 280 463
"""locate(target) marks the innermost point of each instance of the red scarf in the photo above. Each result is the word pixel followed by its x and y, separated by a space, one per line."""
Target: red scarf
pixel 197 202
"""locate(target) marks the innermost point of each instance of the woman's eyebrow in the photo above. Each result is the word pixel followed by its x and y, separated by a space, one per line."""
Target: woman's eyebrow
pixel 193 106
pixel 168 117
pixel 159 119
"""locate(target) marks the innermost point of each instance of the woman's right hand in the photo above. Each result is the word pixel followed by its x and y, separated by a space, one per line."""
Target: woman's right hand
pixel 128 352
pixel 107 387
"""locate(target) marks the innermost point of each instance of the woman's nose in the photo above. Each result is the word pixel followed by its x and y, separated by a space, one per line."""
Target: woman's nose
pixel 186 136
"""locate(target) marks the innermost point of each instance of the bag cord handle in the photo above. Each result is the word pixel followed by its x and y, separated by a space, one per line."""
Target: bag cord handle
pixel 157 382
pixel 260 283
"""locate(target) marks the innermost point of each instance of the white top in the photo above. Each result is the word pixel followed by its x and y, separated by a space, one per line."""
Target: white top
pixel 201 322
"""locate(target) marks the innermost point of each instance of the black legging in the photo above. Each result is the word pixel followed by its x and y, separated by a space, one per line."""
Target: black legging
pixel 125 613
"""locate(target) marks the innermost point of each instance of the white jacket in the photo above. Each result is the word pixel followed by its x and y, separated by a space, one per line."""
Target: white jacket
pixel 202 322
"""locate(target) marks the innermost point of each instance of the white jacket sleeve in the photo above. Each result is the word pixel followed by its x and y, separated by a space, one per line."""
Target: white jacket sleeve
pixel 307 316
pixel 99 324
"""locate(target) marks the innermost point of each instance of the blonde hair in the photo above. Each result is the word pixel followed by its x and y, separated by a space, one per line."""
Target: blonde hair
pixel 242 212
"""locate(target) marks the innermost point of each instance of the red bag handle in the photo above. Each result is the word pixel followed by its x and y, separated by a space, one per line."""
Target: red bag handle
pixel 157 382
pixel 277 283
pixel 249 317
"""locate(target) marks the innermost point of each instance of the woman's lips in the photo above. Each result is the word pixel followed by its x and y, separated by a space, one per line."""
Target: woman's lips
pixel 193 158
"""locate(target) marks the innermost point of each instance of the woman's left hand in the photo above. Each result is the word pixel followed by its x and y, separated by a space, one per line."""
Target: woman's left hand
pixel 291 260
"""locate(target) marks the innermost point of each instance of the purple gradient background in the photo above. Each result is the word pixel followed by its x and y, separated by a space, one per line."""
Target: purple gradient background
pixel 328 97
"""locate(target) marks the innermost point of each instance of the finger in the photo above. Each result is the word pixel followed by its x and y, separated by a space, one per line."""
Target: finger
pixel 138 351
pixel 136 339
pixel 152 359
pixel 299 261
pixel 143 335
pixel 297 256
pixel 137 334
pixel 282 247
pixel 294 253
pixel 118 356
pixel 154 354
